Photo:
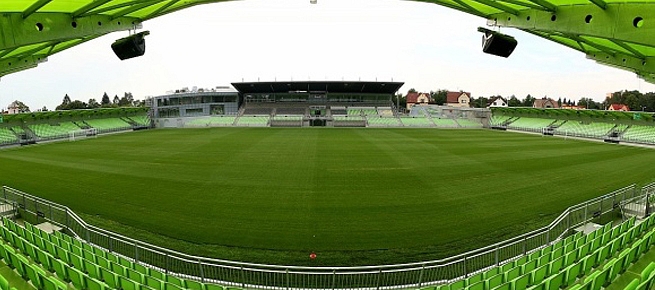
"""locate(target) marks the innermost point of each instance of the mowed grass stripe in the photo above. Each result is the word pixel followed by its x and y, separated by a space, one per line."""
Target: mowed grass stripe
pixel 397 192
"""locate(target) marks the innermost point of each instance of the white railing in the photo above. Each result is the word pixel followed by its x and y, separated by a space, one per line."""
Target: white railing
pixel 252 275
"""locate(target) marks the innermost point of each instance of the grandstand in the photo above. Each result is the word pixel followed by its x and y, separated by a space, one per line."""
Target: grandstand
pixel 639 134
pixel 43 126
pixel 581 261
pixel 587 259
pixel 637 127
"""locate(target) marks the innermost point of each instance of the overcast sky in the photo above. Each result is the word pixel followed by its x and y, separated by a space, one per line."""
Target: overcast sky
pixel 427 46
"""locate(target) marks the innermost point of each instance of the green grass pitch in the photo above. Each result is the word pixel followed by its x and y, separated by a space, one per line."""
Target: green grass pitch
pixel 355 196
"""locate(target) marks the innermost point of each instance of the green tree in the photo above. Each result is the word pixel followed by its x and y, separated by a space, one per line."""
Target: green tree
pixel 528 101
pixel 93 104
pixel 105 100
pixel 439 97
pixel 22 108
pixel 514 102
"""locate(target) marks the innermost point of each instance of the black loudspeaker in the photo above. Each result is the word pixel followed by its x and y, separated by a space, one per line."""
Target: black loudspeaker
pixel 131 46
pixel 497 43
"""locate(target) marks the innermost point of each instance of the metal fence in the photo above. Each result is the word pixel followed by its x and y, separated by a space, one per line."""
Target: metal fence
pixel 250 275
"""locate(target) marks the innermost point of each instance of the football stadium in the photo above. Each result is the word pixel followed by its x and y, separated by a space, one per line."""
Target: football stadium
pixel 325 184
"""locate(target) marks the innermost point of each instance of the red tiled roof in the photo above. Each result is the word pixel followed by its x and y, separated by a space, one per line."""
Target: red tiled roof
pixel 619 107
pixel 412 97
pixel 453 97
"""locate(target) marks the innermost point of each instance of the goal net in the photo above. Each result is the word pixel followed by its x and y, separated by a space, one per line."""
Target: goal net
pixel 84 133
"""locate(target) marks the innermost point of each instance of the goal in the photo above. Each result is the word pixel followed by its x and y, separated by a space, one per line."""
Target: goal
pixel 84 133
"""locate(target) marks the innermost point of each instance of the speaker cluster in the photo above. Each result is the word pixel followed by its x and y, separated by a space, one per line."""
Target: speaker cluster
pixel 496 43
pixel 131 46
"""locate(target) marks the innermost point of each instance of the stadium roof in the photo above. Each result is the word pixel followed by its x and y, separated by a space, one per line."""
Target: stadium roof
pixel 318 86
pixel 612 32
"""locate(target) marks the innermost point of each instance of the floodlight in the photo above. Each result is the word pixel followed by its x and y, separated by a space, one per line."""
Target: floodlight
pixel 131 46
pixel 497 43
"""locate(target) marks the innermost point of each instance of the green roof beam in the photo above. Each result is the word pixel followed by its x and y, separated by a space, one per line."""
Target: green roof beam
pixel 625 61
pixel 35 7
pixel 107 8
pixel 163 8
pixel 628 48
pixel 12 65
pixel 499 6
pixel 56 27
pixel 468 7
pixel 545 4
pixel 602 48
pixel 134 8
pixel 617 22
pixel 600 3
pixel 88 7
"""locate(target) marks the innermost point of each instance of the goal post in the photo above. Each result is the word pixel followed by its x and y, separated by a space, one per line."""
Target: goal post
pixel 83 133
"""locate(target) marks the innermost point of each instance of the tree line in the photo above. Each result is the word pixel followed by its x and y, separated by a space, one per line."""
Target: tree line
pixel 635 100
pixel 105 102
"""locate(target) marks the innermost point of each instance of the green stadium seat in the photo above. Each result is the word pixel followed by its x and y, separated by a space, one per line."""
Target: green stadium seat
pixel 490 273
pixel 504 286
pixel 512 274
pixel 519 283
pixel 571 274
pixel 181 282
pixel 76 250
pixel 520 261
pixel 33 276
pixel 77 278
pixel 570 258
pixel 60 269
pixel 103 262
pixel 615 267
pixel 102 253
pixel 125 262
pixel 475 286
pixel 539 274
pixel 109 277
pixel 474 279
pixel 554 282
pixel 76 262
pixel 588 263
pixel 632 285
pixel 598 279
pixel 127 284
pixel 4 284
pixel 117 268
pixel 219 287
pixel 604 253
pixel 648 271
pixel 555 265
pixel 154 283
pixel 194 285
pixel 92 269
pixel 142 269
pixel 544 259
pixel 51 283
pixel 171 286
pixel 460 284
pixel 94 284
pixel 62 254
pixel 632 257
pixel 44 258
pixel 21 263
pixel 494 281
pixel 134 275
pixel 89 256
pixel 157 274
pixel 529 266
